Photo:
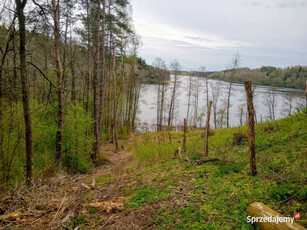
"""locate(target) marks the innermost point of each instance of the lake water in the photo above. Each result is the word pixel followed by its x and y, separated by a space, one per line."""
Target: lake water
pixel 283 98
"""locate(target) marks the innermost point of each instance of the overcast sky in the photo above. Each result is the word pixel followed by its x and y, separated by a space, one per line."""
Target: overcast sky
pixel 208 32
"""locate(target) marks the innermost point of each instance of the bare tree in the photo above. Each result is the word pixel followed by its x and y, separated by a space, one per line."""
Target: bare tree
pixel 57 38
pixel 270 99
pixel 196 90
pixel 160 74
pixel 20 5
pixel 175 67
pixel 235 62
pixel 215 94
pixel 189 98
pixel 288 108
pixel 203 72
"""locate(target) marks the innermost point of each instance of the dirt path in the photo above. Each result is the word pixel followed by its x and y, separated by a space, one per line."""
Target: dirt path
pixel 62 202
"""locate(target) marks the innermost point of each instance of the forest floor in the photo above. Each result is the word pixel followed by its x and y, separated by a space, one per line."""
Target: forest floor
pixel 144 187
pixel 93 201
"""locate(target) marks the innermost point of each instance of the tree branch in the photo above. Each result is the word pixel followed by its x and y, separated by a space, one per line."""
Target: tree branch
pixel 38 69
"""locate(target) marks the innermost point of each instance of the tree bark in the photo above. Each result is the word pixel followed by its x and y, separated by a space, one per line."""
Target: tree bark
pixel 228 103
pixel 96 88
pixel 25 89
pixel 251 126
pixel 114 89
pixel 207 130
pixel 57 37
pixel 184 147
pixel 88 80
pixel 102 78
pixel 189 98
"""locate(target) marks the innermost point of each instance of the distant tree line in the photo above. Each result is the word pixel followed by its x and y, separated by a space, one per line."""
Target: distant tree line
pixel 290 77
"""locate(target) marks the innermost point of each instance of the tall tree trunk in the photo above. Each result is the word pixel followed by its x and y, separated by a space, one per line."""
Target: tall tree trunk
pixel 96 88
pixel 57 37
pixel 88 80
pixel 102 79
pixel 114 93
pixel 158 106
pixel 189 98
pixel 25 88
pixel 172 104
pixel 228 103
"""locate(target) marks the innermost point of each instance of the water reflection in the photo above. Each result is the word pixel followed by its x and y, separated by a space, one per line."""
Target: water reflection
pixel 268 101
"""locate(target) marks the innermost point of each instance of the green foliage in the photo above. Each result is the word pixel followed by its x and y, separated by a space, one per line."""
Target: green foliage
pixel 77 221
pixel 283 191
pixel 92 210
pixel 76 145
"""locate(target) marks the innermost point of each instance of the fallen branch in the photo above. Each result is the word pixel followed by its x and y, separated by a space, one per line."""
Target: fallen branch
pixel 10 217
pixel 199 162
pixel 107 206
pixel 85 186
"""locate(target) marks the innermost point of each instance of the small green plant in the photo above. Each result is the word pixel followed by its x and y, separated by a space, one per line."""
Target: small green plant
pixel 77 221
pixel 147 195
pixel 91 210
pixel 283 191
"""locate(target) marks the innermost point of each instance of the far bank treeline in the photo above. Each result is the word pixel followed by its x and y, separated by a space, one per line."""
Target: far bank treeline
pixel 289 77
pixel 70 78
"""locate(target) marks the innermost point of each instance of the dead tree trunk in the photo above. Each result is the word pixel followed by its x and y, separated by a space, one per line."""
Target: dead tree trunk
pixel 59 136
pixel 25 88
pixel 207 130
pixel 184 147
pixel 251 126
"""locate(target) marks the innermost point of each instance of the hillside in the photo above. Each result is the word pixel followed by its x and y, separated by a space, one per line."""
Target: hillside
pixel 160 192
pixel 290 77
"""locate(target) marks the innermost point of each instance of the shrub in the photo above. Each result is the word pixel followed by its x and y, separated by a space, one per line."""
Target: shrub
pixel 239 139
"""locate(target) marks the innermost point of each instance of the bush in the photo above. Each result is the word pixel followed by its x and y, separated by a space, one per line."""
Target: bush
pixel 239 139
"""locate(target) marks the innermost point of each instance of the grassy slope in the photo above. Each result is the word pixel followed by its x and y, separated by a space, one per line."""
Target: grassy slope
pixel 215 195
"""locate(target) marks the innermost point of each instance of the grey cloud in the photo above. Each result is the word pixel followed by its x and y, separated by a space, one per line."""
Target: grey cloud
pixel 200 39
pixel 277 30
pixel 290 4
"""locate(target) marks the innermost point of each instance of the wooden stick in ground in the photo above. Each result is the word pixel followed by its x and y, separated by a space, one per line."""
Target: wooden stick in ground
pixel 207 130
pixel 169 137
pixel 251 126
pixel 184 147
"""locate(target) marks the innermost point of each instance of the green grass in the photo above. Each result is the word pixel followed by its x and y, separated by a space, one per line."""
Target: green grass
pixel 146 195
pixel 216 195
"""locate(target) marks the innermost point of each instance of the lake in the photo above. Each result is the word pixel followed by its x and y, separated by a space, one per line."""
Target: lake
pixel 263 95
